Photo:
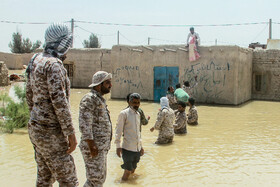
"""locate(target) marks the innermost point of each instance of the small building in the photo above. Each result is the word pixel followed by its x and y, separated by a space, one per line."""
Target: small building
pixel 224 72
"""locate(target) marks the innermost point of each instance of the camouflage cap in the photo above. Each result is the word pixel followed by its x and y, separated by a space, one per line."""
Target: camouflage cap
pixel 100 77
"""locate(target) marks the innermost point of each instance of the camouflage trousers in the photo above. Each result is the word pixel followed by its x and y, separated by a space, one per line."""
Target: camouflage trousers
pixel 96 168
pixel 181 130
pixel 164 140
pixel 53 163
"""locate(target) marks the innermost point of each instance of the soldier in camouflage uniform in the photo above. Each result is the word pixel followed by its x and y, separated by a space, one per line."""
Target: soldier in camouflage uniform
pixel 171 98
pixel 50 127
pixel 164 123
pixel 192 115
pixel 180 126
pixel 96 128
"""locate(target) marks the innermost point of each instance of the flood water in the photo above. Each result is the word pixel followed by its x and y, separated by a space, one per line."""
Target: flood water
pixel 231 146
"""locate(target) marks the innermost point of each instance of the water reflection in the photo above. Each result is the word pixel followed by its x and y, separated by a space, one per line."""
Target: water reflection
pixel 231 146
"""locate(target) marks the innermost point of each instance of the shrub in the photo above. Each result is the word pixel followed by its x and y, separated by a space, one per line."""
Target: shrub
pixel 15 114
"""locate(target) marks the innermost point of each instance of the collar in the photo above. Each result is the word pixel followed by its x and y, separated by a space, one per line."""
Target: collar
pixel 132 109
pixel 98 94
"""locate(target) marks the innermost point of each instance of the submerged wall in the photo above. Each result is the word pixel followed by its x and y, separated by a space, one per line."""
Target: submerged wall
pixel 266 75
pixel 224 72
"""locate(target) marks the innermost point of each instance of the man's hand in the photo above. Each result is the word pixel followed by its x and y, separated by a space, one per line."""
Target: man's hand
pixel 119 152
pixel 72 143
pixel 152 129
pixel 92 148
pixel 142 151
pixel 148 118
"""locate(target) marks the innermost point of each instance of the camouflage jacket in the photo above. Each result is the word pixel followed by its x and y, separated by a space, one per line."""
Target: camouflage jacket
pixel 94 120
pixel 192 116
pixel 48 92
pixel 180 122
pixel 164 122
pixel 171 98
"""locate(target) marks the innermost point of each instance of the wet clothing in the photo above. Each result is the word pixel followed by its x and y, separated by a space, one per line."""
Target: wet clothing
pixel 130 159
pixel 95 124
pixel 53 163
pixel 172 100
pixel 192 116
pixel 180 126
pixel 47 96
pixel 164 124
pixel 96 168
pixel 181 95
pixel 128 126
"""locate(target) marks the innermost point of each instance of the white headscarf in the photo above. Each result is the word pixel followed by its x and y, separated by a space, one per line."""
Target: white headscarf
pixel 164 103
pixel 58 39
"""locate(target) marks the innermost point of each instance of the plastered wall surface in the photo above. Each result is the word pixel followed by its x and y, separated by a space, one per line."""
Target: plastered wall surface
pixel 266 66
pixel 224 72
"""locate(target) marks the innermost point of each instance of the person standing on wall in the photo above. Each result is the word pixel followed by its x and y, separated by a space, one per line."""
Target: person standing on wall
pixel 193 41
pixel 50 127
pixel 96 128
pixel 128 127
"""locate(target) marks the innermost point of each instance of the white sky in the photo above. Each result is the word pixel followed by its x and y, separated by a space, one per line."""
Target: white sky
pixel 147 12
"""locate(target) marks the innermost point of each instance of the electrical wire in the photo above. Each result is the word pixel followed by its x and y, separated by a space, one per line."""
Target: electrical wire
pixel 143 25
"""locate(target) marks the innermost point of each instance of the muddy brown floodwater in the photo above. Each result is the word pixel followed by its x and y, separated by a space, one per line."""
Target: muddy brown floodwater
pixel 231 146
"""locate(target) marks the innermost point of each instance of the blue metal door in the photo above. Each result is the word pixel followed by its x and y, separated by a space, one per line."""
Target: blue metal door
pixel 163 78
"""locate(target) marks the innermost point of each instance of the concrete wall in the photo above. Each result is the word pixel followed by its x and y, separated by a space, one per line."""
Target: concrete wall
pixel 15 61
pixel 86 62
pixel 224 72
pixel 266 66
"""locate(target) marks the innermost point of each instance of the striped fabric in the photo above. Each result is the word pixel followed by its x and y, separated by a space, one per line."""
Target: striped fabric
pixel 58 39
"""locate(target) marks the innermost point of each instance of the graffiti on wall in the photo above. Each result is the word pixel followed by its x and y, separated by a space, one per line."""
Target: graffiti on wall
pixel 128 75
pixel 211 77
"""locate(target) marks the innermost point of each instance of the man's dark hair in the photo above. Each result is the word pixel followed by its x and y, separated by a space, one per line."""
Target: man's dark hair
pixel 187 84
pixel 169 88
pixel 182 104
pixel 191 101
pixel 178 85
pixel 134 96
pixel 127 97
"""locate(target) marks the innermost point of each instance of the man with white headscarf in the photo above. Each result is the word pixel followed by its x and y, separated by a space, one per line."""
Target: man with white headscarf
pixel 50 126
pixel 164 123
